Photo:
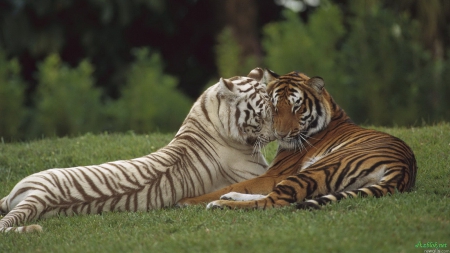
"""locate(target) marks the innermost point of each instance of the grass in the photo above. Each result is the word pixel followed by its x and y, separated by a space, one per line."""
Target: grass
pixel 390 224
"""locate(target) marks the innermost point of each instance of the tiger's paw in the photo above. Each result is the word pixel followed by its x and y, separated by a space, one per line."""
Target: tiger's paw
pixel 235 196
pixel 308 205
pixel 217 204
pixel 186 202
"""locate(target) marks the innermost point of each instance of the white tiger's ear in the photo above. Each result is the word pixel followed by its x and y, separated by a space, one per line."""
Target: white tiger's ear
pixel 226 86
pixel 317 83
pixel 256 74
pixel 226 83
pixel 268 76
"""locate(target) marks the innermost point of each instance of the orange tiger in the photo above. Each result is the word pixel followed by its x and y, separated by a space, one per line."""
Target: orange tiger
pixel 322 156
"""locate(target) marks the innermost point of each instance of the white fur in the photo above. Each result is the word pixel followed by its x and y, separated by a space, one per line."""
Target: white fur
pixel 241 196
pixel 210 151
pixel 310 162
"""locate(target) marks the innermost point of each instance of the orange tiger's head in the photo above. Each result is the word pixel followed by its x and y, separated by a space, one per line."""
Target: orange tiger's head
pixel 301 107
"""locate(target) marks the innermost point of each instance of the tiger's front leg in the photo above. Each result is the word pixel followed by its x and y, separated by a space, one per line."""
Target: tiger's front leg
pixel 291 190
pixel 259 185
pixel 203 198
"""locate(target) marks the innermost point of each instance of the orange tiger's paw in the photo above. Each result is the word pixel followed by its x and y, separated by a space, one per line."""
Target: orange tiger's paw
pixel 308 205
pixel 217 204
pixel 236 196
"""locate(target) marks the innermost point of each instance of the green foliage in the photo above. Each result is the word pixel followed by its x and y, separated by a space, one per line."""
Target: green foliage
pixel 371 55
pixel 385 67
pixel 310 48
pixel 104 32
pixel 229 59
pixel 376 69
pixel 66 101
pixel 12 89
pixel 390 224
pixel 149 99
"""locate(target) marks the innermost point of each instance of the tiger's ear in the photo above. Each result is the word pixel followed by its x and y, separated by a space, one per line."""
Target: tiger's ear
pixel 256 74
pixel 269 76
pixel 316 83
pixel 227 83
pixel 226 86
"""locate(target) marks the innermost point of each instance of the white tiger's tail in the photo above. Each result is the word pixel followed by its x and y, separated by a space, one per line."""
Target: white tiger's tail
pixel 23 229
pixel 4 228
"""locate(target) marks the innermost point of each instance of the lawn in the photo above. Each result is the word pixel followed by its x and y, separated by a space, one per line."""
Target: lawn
pixel 396 223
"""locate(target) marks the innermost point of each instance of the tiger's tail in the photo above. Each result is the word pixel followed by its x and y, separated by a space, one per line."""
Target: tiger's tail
pixel 23 229
pixel 376 190
pixel 9 219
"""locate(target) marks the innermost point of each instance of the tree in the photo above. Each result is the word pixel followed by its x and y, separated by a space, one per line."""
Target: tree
pixel 66 101
pixel 12 87
pixel 150 100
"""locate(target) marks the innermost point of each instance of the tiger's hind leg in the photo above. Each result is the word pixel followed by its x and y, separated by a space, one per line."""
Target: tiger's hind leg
pixel 27 210
pixel 315 204
pixel 312 183
pixel 394 179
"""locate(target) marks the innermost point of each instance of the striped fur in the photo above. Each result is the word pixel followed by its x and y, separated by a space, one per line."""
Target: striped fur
pixel 322 157
pixel 218 144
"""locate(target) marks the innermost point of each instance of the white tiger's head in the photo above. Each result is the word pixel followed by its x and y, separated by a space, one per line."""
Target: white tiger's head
pixel 245 110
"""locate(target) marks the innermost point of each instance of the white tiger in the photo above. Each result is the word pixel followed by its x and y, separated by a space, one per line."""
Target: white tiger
pixel 217 145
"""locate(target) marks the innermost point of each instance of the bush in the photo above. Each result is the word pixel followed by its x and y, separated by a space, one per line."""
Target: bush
pixel 386 66
pixel 66 101
pixel 229 58
pixel 309 48
pixel 149 99
pixel 376 69
pixel 12 89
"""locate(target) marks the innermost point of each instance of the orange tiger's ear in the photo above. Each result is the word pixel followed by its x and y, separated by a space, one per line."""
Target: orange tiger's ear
pixel 269 76
pixel 256 74
pixel 317 83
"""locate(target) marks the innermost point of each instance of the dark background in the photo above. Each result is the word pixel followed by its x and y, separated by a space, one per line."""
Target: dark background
pixel 186 36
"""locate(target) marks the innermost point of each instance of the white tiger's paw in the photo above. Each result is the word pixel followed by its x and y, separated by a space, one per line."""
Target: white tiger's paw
pixel 241 196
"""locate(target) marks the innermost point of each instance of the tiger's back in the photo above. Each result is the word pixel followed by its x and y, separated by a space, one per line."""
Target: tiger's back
pixel 350 161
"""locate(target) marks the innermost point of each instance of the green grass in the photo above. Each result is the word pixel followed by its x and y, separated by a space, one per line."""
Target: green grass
pixel 390 224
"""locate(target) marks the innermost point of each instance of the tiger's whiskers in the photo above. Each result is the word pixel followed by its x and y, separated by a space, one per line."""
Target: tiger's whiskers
pixel 257 146
pixel 304 138
pixel 260 147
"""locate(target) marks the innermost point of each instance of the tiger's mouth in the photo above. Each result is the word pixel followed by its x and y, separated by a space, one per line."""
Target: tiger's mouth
pixel 266 139
pixel 294 142
pixel 261 140
pixel 288 143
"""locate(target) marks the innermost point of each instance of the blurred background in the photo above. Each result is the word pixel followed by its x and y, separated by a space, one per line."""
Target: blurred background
pixel 69 67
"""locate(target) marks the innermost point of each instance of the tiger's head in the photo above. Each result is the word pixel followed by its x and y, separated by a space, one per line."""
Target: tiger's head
pixel 245 110
pixel 301 107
